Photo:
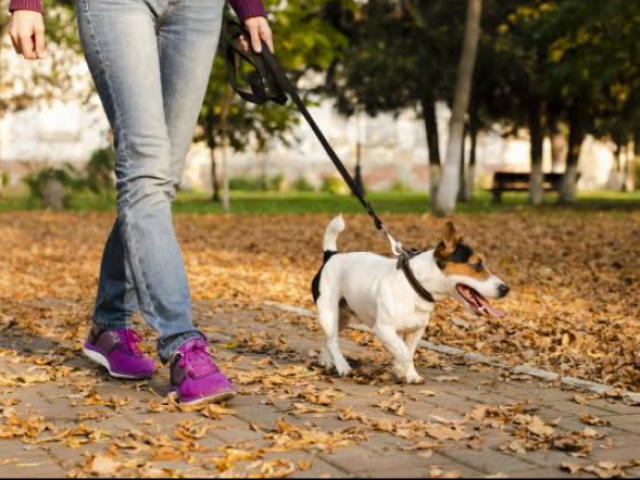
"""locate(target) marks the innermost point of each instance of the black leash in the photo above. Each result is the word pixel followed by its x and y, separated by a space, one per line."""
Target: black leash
pixel 268 82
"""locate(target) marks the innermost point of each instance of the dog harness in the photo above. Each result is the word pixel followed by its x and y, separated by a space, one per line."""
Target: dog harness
pixel 269 83
pixel 404 264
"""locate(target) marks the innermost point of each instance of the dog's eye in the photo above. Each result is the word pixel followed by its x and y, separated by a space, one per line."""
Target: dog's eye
pixel 478 267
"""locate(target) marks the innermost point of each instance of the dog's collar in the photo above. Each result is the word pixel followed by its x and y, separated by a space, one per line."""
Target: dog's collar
pixel 404 263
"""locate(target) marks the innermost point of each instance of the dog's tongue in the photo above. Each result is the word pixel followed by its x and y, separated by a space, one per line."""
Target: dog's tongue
pixel 493 312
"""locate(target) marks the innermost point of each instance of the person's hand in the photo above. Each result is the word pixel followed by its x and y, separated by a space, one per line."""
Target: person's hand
pixel 27 34
pixel 260 30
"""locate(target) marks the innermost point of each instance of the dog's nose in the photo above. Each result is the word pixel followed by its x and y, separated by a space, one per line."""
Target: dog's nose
pixel 503 290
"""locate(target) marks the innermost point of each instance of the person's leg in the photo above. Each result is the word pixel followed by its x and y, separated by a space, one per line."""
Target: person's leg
pixel 188 39
pixel 188 35
pixel 121 47
pixel 116 302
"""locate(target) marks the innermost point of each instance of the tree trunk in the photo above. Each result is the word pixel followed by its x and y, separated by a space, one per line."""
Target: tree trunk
pixel 473 155
pixel 448 191
pixel 226 105
pixel 625 168
pixel 462 191
pixel 215 183
pixel 226 193
pixel 558 142
pixel 357 177
pixel 635 166
pixel 576 138
pixel 536 131
pixel 433 146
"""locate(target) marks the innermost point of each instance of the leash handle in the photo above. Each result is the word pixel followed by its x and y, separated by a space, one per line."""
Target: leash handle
pixel 266 62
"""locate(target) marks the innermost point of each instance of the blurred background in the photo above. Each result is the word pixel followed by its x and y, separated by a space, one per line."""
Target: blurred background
pixel 552 113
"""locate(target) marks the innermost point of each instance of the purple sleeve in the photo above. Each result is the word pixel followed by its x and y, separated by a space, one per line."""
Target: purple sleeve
pixel 33 5
pixel 244 8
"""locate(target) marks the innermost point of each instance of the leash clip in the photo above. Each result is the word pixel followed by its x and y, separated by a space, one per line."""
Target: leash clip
pixel 396 246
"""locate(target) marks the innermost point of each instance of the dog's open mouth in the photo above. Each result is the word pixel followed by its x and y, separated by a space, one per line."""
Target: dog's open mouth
pixel 477 302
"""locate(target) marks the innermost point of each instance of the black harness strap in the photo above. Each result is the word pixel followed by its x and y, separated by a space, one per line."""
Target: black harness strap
pixel 269 82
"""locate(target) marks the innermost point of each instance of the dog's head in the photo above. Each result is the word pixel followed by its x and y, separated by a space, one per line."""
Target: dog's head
pixel 467 276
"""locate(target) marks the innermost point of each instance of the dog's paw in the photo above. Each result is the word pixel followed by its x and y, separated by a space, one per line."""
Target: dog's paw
pixel 344 370
pixel 414 380
pixel 325 362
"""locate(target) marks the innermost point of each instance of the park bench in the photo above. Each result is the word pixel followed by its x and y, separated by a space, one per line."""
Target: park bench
pixel 519 182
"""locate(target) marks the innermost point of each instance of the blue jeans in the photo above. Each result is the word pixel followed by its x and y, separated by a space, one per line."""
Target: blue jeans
pixel 150 61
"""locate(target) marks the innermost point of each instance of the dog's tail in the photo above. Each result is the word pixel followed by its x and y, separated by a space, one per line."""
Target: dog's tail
pixel 335 228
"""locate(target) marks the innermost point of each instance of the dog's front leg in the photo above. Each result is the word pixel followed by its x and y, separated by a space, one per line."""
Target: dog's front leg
pixel 392 342
pixel 412 340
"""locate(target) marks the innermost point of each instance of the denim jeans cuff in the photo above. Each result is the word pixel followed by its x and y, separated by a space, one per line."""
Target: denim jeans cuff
pixel 106 324
pixel 167 353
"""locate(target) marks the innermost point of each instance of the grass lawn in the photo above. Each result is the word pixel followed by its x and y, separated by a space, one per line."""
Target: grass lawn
pixel 243 202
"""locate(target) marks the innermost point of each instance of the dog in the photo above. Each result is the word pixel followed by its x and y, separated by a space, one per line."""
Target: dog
pixel 372 289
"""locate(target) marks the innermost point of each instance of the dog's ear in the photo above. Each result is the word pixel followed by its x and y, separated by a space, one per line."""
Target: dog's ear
pixel 449 242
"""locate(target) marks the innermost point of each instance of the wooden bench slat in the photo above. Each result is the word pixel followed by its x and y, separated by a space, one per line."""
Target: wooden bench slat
pixel 519 182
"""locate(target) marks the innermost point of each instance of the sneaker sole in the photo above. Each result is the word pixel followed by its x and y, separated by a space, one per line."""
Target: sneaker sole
pixel 220 398
pixel 101 360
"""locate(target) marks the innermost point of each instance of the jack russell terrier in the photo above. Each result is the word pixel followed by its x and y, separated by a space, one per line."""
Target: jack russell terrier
pixel 375 290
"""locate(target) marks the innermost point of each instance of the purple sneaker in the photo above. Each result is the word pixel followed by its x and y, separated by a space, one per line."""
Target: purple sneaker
pixel 118 351
pixel 195 378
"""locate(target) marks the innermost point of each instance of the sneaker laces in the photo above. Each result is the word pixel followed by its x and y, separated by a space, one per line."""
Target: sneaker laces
pixel 131 341
pixel 198 360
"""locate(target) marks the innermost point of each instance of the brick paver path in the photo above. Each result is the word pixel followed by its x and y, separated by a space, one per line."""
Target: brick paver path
pixel 59 416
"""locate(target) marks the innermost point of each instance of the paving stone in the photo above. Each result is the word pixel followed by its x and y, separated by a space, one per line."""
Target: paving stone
pixel 70 456
pixel 384 443
pixel 617 408
pixel 489 462
pixel 435 462
pixel 356 459
pixel 624 420
pixel 575 409
pixel 449 400
pixel 622 454
pixel 236 435
pixel 633 428
pixel 34 468
pixel 423 412
pixel 576 425
pixel 624 439
pixel 10 449
pixel 545 459
pixel 261 415
pixel 321 469
pixel 375 462
pixel 542 473
pixel 490 398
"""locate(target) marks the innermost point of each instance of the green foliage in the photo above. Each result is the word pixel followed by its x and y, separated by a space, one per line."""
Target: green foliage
pixel 256 184
pixel 399 55
pixel 226 117
pixel 302 185
pixel 246 184
pixel 334 185
pixel 67 176
pixel 5 179
pixel 400 187
pixel 100 170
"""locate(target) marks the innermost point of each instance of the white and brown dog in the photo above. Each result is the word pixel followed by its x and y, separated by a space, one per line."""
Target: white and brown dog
pixel 374 290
